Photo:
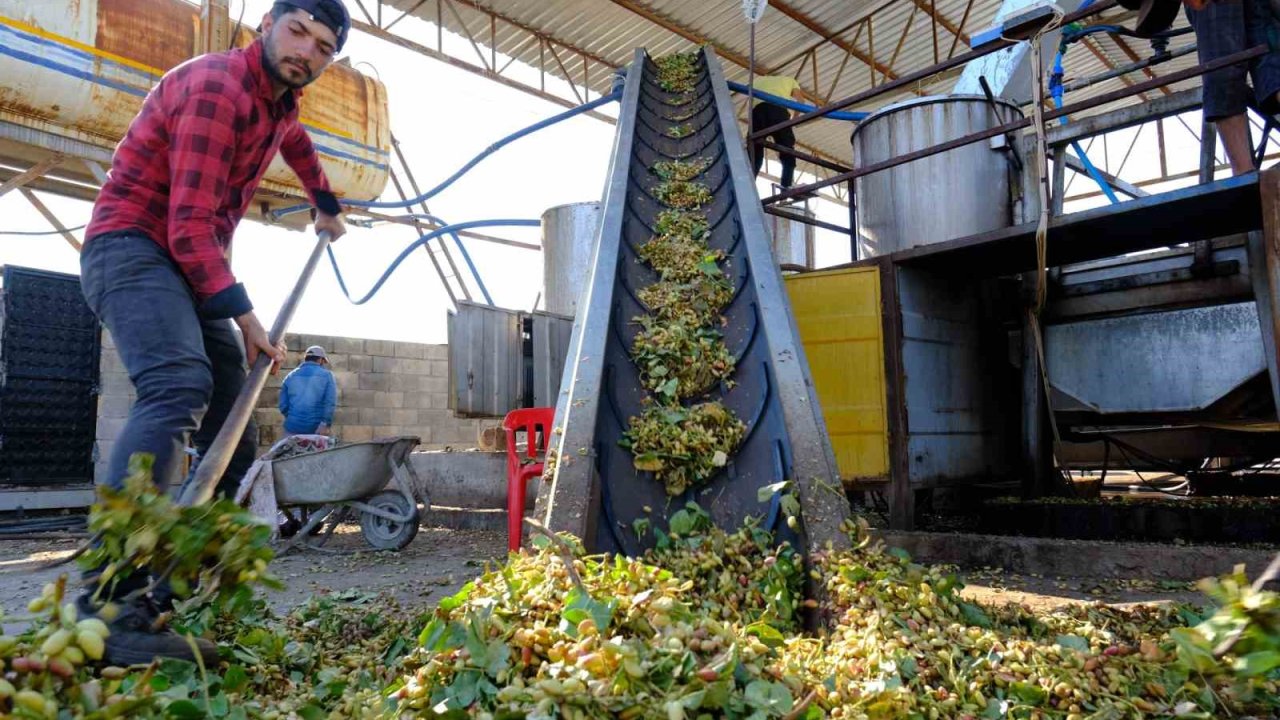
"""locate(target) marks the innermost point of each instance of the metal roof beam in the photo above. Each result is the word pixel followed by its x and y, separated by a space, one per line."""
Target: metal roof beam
pixel 463 65
pixel 931 10
pixel 833 38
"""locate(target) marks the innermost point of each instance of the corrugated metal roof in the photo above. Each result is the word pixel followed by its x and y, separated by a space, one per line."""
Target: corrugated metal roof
pixel 826 44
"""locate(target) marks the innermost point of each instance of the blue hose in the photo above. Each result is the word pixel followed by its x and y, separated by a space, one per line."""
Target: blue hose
pixel 788 103
pixel 465 255
pixel 1055 89
pixel 603 100
pixel 422 241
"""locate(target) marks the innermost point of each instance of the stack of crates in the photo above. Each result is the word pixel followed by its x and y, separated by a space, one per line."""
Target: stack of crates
pixel 49 351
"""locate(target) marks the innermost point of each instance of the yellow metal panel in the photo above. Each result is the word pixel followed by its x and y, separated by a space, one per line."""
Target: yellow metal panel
pixel 838 315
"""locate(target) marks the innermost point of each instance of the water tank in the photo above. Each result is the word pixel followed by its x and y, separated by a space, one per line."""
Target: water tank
pixel 79 70
pixel 941 197
pixel 792 240
pixel 568 240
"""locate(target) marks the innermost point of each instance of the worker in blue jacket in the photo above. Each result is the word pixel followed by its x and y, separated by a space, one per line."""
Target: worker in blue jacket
pixel 309 396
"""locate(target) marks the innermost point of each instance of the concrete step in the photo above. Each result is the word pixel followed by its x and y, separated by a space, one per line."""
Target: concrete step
pixel 454 518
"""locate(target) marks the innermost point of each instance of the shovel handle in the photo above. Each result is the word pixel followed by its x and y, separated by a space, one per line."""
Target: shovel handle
pixel 215 460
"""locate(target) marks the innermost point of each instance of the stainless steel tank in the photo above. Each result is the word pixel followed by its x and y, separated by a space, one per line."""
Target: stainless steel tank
pixel 792 240
pixel 568 239
pixel 960 192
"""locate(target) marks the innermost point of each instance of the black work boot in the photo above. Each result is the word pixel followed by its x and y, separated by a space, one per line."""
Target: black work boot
pixel 134 641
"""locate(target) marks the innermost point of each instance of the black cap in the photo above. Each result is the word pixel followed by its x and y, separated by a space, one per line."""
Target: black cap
pixel 330 13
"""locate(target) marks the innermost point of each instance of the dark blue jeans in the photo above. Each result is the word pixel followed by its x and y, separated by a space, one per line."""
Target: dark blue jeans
pixel 187 371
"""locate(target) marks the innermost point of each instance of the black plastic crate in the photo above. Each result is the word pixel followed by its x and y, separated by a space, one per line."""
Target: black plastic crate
pixel 47 352
pixel 46 458
pixel 46 298
pixel 28 404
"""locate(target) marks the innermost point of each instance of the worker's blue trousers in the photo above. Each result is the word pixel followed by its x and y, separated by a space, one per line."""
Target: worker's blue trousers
pixel 187 371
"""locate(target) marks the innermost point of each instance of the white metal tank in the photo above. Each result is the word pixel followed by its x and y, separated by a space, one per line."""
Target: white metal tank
pixel 568 240
pixel 941 197
pixel 73 73
pixel 792 240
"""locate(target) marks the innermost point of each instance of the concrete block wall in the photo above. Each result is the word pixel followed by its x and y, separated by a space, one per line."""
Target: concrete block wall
pixel 384 388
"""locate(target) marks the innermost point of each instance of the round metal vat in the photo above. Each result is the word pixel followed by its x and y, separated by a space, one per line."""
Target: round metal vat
pixel 792 240
pixel 568 240
pixel 941 197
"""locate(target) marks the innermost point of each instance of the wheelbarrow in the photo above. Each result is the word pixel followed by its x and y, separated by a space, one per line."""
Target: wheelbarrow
pixel 374 479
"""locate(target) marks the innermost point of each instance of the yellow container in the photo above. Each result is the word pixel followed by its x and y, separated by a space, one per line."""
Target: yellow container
pixel 838 315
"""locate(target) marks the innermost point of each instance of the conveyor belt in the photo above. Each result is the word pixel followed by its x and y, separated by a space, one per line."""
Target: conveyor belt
pixel 594 489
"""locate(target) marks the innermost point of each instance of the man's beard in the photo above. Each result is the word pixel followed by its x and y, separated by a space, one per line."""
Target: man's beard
pixel 276 71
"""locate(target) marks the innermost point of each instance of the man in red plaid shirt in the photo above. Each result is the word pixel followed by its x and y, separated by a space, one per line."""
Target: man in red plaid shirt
pixel 155 267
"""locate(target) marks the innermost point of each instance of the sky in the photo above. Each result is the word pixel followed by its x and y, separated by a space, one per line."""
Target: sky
pixel 442 117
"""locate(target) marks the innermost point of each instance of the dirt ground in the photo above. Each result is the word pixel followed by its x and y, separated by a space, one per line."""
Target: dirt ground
pixel 440 561
pixel 436 564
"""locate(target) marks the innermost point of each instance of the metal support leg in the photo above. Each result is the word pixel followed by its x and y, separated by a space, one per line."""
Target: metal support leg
pixel 853 224
pixel 1264 265
pixel 1208 162
pixel 902 509
pixel 1059 180
pixel 1037 458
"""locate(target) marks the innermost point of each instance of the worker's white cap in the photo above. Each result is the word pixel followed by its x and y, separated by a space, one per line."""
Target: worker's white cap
pixel 315 350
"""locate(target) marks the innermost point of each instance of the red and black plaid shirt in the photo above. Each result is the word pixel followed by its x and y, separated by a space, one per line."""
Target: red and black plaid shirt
pixel 187 170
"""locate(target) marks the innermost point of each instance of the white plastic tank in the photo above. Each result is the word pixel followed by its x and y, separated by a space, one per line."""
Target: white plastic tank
pixel 80 69
pixel 568 240
pixel 964 191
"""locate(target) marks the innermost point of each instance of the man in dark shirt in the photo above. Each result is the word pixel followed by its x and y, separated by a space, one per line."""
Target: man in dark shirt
pixel 1226 27
pixel 155 267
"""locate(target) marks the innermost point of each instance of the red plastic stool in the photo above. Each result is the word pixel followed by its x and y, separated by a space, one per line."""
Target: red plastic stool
pixel 535 423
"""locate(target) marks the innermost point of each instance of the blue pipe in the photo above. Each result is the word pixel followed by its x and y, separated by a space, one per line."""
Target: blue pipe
pixel 1055 89
pixel 422 241
pixel 789 103
pixel 603 100
pixel 465 255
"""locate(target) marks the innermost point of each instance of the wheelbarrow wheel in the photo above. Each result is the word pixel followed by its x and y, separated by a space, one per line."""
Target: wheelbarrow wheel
pixel 385 534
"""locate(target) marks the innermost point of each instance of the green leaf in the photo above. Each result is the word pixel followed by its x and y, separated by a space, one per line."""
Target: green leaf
pixel 647 462
pixel 497 657
pixel 899 553
pixel 455 601
pixel 1028 693
pixel 579 606
pixel 766 493
pixel 1257 663
pixel 234 678
pixel 311 712
pixel 184 709
pixel 1193 650
pixel 768 634
pixel 1073 642
pixel 974 615
pixel 770 697
pixel 641 527
pixel 995 709
pixel 790 505
pixel 681 523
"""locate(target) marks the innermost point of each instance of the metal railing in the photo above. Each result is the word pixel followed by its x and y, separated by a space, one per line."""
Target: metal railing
pixel 1057 135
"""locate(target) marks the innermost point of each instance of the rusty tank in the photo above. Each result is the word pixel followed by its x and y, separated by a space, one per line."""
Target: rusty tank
pixel 73 73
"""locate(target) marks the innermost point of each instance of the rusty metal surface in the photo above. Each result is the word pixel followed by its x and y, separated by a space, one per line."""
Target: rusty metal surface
pixel 81 68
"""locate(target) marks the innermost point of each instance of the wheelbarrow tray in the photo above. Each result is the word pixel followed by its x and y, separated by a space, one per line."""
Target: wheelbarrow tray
pixel 347 472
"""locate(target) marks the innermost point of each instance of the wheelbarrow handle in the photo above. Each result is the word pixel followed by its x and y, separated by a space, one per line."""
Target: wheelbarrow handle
pixel 215 460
